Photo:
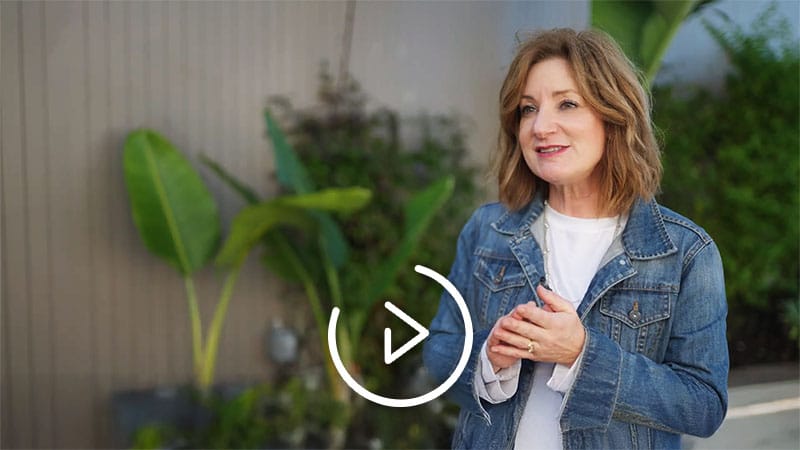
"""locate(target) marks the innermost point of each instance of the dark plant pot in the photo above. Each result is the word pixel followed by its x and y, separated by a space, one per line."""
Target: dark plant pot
pixel 176 407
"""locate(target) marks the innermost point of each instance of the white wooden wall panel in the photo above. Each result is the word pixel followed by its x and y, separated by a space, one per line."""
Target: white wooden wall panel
pixel 16 330
pixel 86 310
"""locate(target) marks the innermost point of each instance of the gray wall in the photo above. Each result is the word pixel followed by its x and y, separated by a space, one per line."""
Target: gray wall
pixel 86 310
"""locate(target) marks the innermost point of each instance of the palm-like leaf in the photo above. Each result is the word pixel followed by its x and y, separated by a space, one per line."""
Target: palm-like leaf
pixel 294 176
pixel 253 222
pixel 247 193
pixel 173 210
pixel 643 29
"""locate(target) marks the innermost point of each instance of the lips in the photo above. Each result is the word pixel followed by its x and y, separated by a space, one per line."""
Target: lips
pixel 550 149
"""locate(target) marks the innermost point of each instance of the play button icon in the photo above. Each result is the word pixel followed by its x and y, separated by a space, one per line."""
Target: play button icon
pixel 388 355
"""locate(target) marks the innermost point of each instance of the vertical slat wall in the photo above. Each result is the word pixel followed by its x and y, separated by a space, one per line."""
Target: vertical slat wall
pixel 86 310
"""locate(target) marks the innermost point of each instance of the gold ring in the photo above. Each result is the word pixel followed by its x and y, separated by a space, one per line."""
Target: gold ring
pixel 530 346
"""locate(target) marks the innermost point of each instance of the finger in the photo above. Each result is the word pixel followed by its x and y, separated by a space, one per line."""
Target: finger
pixel 515 314
pixel 513 339
pixel 553 300
pixel 512 352
pixel 523 328
pixel 533 314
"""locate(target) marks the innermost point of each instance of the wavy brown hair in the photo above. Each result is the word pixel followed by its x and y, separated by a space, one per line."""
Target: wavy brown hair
pixel 630 167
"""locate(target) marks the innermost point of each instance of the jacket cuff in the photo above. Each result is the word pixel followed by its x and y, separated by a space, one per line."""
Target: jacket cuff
pixel 496 387
pixel 594 392
pixel 563 376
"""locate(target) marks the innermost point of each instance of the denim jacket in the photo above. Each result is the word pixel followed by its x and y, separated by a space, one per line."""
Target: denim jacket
pixel 655 359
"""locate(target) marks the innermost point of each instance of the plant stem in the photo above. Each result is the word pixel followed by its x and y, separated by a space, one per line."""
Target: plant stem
pixel 197 327
pixel 333 281
pixel 212 343
pixel 335 290
pixel 316 308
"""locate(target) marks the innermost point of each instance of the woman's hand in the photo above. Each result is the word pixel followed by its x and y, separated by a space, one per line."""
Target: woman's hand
pixel 495 341
pixel 553 333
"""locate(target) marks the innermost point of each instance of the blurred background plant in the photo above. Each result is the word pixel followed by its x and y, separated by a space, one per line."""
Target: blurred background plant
pixel 644 29
pixel 731 164
pixel 340 143
pixel 286 415
pixel 178 221
pixel 349 262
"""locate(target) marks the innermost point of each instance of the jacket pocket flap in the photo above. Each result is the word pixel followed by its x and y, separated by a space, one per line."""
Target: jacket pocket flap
pixel 636 308
pixel 499 274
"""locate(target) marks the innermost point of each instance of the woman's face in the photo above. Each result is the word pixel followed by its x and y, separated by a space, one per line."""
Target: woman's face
pixel 561 137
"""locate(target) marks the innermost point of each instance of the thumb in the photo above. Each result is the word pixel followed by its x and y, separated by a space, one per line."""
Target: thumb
pixel 551 299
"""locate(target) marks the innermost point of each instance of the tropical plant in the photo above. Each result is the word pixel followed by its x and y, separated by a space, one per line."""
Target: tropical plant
pixel 340 141
pixel 731 164
pixel 219 422
pixel 178 220
pixel 643 29
pixel 319 261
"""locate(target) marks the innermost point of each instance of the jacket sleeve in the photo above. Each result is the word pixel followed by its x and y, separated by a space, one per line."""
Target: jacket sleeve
pixel 687 392
pixel 444 345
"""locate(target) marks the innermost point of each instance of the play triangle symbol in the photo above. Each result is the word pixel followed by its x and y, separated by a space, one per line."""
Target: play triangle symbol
pixel 388 355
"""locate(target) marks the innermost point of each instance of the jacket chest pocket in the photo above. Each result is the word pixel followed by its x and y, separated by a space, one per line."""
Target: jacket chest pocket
pixel 501 282
pixel 637 319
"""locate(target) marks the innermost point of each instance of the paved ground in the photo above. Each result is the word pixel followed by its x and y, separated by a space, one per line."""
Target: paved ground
pixel 761 415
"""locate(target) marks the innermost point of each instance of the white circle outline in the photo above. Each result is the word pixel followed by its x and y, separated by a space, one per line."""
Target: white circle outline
pixel 414 401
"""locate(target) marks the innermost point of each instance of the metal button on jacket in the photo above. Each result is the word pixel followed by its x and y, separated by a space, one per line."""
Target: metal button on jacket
pixel 634 313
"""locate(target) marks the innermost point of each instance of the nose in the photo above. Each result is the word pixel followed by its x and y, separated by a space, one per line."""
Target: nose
pixel 543 124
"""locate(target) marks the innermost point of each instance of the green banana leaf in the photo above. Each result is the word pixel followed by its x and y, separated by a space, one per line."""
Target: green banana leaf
pixel 250 225
pixel 247 193
pixel 294 176
pixel 643 29
pixel 340 200
pixel 283 259
pixel 290 170
pixel 173 210
pixel 280 256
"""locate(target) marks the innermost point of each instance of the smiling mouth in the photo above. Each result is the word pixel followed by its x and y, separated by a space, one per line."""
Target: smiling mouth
pixel 550 149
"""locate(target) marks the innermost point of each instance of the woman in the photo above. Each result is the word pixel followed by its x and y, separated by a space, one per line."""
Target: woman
pixel 600 315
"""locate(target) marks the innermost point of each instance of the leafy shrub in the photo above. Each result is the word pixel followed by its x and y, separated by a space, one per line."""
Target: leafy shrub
pixel 731 164
pixel 288 415
pixel 341 143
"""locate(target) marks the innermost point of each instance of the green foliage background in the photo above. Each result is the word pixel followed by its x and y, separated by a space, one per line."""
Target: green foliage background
pixel 731 165
pixel 342 143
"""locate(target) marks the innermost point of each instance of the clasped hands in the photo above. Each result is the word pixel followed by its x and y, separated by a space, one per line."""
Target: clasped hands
pixel 553 333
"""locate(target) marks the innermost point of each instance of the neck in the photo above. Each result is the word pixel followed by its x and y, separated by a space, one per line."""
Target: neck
pixel 575 202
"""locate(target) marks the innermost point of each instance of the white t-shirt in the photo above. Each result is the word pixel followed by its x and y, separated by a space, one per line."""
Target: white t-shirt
pixel 577 247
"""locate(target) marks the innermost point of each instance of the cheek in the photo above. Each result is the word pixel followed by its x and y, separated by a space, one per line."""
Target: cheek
pixel 595 137
pixel 524 134
pixel 530 160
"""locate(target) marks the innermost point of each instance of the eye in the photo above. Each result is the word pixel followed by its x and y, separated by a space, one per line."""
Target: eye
pixel 527 109
pixel 568 104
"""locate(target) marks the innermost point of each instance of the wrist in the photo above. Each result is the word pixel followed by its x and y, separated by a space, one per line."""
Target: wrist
pixel 579 349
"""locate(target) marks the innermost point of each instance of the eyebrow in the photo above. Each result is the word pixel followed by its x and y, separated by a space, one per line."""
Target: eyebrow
pixel 555 94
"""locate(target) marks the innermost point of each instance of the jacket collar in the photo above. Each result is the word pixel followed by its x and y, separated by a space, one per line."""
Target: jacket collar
pixel 645 235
